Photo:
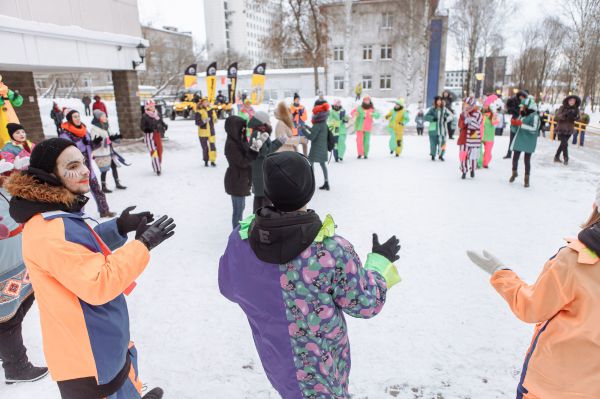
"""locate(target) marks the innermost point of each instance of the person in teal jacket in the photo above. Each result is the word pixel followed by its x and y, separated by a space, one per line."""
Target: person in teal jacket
pixel 337 124
pixel 438 117
pixel 527 132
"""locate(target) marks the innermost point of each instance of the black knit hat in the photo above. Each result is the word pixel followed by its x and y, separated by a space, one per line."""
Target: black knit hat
pixel 46 153
pixel 12 128
pixel 289 180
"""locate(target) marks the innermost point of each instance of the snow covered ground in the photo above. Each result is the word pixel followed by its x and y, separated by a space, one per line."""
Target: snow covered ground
pixel 444 332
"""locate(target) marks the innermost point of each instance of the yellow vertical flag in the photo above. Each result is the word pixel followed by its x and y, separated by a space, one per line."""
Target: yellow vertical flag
pixel 258 84
pixel 189 76
pixel 211 82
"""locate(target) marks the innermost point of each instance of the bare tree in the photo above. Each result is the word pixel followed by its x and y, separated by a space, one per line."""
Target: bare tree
pixel 225 58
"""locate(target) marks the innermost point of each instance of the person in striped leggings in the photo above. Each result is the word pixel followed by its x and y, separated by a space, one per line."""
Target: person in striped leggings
pixel 149 125
pixel 469 140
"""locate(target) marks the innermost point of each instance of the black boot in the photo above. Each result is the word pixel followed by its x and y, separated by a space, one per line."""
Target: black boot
pixel 155 393
pixel 464 175
pixel 507 156
pixel 566 162
pixel 206 164
pixel 514 176
pixel 526 180
pixel 325 186
pixel 28 373
pixel 557 159
pixel 472 173
pixel 119 185
pixel 214 165
pixel 105 189
pixel 442 158
pixel 433 158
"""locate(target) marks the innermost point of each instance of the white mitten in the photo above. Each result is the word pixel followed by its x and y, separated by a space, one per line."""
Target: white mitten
pixel 21 163
pixel 256 145
pixel 486 261
pixel 264 137
pixel 5 166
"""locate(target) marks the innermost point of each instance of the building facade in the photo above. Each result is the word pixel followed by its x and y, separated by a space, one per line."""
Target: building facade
pixel 239 26
pixel 456 79
pixel 59 36
pixel 390 49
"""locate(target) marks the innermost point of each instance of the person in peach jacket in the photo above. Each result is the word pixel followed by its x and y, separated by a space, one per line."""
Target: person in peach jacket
pixel 563 360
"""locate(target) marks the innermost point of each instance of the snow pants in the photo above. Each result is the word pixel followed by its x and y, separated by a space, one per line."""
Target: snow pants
pixel 363 143
pixel 468 155
pixel 12 351
pixel 437 144
pixel 154 146
pixel 396 139
pixel 340 147
pixel 486 154
pixel 209 148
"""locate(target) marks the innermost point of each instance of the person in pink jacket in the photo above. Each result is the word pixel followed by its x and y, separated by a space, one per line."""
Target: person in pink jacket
pixel 563 360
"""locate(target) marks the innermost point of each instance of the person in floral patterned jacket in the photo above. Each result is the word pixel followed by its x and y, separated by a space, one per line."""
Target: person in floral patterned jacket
pixel 295 278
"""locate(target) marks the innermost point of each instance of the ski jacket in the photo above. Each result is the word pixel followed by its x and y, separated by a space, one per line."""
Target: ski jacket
pixel 57 116
pixel 337 122
pixel 12 150
pixel 205 120
pixel 78 282
pixel 149 124
pixel 299 117
pixel 238 179
pixel 101 106
pixel 364 118
pixel 438 119
pixel 488 126
pixel 104 149
pixel 295 278
pixel 15 285
pixel 469 125
pixel 397 119
pixel 562 361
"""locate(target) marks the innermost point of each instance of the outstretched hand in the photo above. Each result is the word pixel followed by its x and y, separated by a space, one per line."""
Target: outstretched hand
pixel 153 235
pixel 389 249
pixel 128 222
pixel 486 261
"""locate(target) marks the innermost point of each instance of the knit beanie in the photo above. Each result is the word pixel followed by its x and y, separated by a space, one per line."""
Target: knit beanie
pixel 98 114
pixel 70 115
pixel 259 118
pixel 289 180
pixel 12 128
pixel 46 153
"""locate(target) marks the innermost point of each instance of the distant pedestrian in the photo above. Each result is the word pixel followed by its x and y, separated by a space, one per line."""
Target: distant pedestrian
pixel 87 101
pixel 98 104
pixel 566 116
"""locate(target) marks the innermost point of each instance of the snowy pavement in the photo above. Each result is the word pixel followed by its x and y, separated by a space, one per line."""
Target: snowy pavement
pixel 444 332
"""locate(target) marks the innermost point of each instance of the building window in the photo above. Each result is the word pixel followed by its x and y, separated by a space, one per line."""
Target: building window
pixel 367 82
pixel 338 53
pixel 87 82
pixel 386 52
pixel 386 20
pixel 367 52
pixel 338 83
pixel 385 82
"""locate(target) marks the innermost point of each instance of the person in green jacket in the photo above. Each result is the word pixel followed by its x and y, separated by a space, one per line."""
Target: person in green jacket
pixel 317 134
pixel 398 117
pixel 438 117
pixel 337 124
pixel 528 130
pixel 364 115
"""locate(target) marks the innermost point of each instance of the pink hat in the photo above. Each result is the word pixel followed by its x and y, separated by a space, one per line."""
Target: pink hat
pixel 489 100
pixel 367 97
pixel 337 103
pixel 149 102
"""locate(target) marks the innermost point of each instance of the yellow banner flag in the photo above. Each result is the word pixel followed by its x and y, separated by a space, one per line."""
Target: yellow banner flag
pixel 258 84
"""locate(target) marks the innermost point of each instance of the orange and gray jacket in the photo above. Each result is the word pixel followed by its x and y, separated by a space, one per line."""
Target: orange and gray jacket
pixel 78 281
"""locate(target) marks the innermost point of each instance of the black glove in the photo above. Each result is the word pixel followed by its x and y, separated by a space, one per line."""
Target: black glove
pixel 85 140
pixel 388 250
pixel 434 119
pixel 115 137
pixel 97 141
pixel 128 222
pixel 151 236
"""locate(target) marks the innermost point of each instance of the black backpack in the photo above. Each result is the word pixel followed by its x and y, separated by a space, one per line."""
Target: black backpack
pixel 330 140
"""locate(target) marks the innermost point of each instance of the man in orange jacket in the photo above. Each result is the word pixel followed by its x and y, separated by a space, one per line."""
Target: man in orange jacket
pixel 563 360
pixel 79 282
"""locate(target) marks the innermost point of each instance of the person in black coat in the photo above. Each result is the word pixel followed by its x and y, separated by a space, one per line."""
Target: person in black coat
pixel 566 116
pixel 239 155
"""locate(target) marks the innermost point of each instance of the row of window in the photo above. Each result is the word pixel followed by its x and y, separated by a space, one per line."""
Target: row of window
pixel 367 53
pixel 385 82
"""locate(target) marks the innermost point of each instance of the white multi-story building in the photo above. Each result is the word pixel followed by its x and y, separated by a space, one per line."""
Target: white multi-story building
pixel 456 79
pixel 238 26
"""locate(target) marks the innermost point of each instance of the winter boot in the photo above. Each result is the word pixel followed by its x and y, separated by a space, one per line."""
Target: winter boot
pixel 526 180
pixel 105 189
pixel 433 158
pixel 472 173
pixel 442 158
pixel 557 159
pixel 566 162
pixel 464 175
pixel 359 157
pixel 514 176
pixel 107 214
pixel 507 156
pixel 397 155
pixel 155 393
pixel 214 165
pixel 119 185
pixel 29 373
pixel 325 186
pixel 206 164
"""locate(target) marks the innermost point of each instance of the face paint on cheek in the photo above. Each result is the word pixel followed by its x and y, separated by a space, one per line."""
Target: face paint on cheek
pixel 71 174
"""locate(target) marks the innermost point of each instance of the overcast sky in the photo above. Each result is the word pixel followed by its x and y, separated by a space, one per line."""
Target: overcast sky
pixel 188 15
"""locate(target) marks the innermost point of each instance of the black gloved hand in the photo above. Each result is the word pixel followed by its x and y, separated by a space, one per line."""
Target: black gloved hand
pixel 97 141
pixel 388 250
pixel 128 222
pixel 116 137
pixel 151 236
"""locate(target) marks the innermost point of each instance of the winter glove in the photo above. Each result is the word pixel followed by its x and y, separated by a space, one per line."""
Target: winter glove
pixel 97 141
pixel 258 142
pixel 153 235
pixel 516 122
pixel 21 163
pixel 116 137
pixel 486 261
pixel 128 222
pixel 388 250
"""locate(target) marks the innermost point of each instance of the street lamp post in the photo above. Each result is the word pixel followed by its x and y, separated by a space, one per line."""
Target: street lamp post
pixel 141 49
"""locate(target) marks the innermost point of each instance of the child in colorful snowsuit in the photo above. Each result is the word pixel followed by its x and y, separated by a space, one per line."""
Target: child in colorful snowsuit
pixel 420 121
pixel 398 118
pixel 150 125
pixel 205 120
pixel 562 360
pixel 438 117
pixel 337 124
pixel 18 150
pixel 299 117
pixel 294 277
pixel 488 132
pixel 527 133
pixel 469 140
pixel 364 115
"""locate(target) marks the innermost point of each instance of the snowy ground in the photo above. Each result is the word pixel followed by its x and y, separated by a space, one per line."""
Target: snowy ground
pixel 444 332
